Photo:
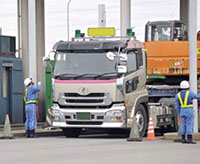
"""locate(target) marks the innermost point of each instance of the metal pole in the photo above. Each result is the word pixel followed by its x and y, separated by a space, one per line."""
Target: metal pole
pixel 24 37
pixel 68 20
pixel 101 15
pixel 184 7
pixel 193 55
pixel 32 39
pixel 19 11
pixel 125 16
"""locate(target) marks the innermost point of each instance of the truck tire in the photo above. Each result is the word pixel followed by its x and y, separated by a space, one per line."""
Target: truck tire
pixel 141 118
pixel 71 132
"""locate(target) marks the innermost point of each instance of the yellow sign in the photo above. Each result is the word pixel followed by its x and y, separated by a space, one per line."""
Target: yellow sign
pixel 198 51
pixel 108 31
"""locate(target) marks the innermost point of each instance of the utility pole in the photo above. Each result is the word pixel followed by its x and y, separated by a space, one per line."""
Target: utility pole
pixel 101 15
pixel 32 39
pixel 193 55
pixel 125 16
pixel 68 19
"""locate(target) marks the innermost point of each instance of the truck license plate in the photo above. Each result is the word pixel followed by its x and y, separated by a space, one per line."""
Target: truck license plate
pixel 83 116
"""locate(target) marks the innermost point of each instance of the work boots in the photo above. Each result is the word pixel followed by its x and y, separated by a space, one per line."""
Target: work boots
pixel 32 133
pixel 189 140
pixel 183 139
pixel 28 134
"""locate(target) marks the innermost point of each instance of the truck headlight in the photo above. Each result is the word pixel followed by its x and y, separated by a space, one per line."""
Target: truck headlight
pixel 55 114
pixel 54 106
pixel 114 115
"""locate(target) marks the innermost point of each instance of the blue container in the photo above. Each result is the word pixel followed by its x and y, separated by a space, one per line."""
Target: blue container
pixel 11 90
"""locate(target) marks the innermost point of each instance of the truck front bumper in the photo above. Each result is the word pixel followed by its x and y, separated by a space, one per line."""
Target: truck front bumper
pixel 114 117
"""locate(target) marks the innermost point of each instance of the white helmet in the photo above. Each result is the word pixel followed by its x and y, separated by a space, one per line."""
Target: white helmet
pixel 27 81
pixel 184 85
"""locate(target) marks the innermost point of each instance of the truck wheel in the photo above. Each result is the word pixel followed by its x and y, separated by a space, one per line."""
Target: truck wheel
pixel 141 118
pixel 71 132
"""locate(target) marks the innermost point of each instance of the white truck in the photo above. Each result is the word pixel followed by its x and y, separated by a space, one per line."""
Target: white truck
pixel 101 84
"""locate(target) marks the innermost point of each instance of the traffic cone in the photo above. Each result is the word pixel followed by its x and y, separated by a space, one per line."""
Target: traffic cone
pixel 7 129
pixel 150 133
pixel 134 133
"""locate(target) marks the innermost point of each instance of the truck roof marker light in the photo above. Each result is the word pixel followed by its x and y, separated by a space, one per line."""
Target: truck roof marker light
pixel 129 32
pixel 77 33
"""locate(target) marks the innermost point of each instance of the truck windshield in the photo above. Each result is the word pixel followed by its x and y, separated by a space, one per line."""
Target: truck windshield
pixel 81 65
pixel 159 33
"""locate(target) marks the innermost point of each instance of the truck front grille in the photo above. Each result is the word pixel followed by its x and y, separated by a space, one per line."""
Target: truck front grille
pixel 92 100
pixel 84 101
pixel 89 95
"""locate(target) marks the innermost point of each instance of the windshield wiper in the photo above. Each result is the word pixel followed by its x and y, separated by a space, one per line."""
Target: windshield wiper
pixel 64 75
pixel 86 74
pixel 105 74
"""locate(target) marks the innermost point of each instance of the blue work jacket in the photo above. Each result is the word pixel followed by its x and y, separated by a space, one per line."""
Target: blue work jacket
pixel 191 96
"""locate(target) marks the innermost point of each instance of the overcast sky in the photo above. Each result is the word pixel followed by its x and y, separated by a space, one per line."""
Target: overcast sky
pixel 84 14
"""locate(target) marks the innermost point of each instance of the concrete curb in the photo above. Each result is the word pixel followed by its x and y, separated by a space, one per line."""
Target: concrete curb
pixel 39 133
pixel 175 136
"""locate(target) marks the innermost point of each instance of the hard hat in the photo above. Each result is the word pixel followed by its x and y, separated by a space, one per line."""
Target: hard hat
pixel 27 81
pixel 184 85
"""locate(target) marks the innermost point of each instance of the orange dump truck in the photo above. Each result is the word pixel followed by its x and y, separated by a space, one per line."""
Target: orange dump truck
pixel 167 47
pixel 169 58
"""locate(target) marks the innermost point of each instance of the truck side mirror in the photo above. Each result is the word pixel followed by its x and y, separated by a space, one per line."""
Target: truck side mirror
pixel 110 55
pixel 122 69
pixel 45 60
pixel 123 57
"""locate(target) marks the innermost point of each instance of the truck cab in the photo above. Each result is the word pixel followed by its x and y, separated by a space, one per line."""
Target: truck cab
pixel 166 31
pixel 167 47
pixel 99 84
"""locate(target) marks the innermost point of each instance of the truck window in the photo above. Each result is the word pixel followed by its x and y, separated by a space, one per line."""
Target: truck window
pixel 135 60
pixel 180 32
pixel 84 63
pixel 139 58
pixel 159 33
pixel 131 62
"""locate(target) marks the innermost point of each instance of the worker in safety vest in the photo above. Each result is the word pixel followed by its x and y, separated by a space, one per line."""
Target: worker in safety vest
pixel 30 100
pixel 184 108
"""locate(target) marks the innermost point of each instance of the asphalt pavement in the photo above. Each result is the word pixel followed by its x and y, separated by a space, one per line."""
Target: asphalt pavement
pixel 96 149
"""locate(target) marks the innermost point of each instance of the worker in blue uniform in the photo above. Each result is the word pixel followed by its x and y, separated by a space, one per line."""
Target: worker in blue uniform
pixel 184 108
pixel 30 100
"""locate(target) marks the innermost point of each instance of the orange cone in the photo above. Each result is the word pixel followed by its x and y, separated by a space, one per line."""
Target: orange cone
pixel 134 133
pixel 7 133
pixel 150 133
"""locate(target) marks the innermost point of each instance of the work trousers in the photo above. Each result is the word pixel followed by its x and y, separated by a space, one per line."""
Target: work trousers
pixel 187 121
pixel 31 120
